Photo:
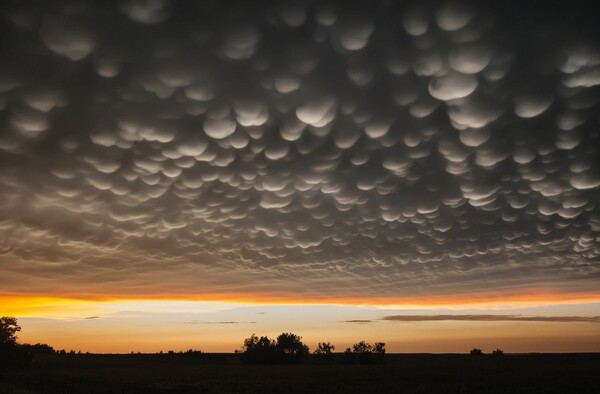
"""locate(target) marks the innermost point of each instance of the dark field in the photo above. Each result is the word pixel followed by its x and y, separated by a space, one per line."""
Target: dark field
pixel 212 373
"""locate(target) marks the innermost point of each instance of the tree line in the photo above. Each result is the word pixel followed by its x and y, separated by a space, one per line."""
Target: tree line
pixel 287 348
pixel 13 354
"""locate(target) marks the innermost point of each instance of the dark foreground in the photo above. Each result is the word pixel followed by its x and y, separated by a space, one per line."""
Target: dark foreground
pixel 410 373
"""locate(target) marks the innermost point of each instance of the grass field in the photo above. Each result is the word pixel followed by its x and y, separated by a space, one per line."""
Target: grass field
pixel 214 373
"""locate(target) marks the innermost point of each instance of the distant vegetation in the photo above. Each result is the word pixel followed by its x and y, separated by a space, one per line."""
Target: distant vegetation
pixel 479 352
pixel 287 348
pixel 324 352
pixel 364 353
pixel 13 354
pixel 362 347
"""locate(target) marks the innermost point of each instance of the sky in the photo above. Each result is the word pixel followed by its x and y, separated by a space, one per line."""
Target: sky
pixel 182 174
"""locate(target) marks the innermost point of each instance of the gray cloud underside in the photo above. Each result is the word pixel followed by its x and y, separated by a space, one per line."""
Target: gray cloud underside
pixel 316 148
pixel 514 318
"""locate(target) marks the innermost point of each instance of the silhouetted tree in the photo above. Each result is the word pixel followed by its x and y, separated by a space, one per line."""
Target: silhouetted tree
pixel 324 348
pixel 476 352
pixel 8 330
pixel 324 351
pixel 257 350
pixel 379 351
pixel 498 352
pixel 11 354
pixel 290 348
pixel 362 347
pixel 379 348
pixel 364 352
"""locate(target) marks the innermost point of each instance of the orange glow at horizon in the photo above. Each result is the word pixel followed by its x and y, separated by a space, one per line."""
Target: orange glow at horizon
pixel 105 325
pixel 36 305
pixel 426 338
pixel 164 330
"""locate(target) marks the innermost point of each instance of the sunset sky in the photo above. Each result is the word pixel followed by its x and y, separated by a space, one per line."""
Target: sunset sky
pixel 182 174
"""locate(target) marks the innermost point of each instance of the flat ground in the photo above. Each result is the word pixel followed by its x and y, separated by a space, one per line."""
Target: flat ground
pixel 399 373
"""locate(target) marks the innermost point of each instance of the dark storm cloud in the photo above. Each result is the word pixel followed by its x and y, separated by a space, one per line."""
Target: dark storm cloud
pixel 307 147
pixel 518 318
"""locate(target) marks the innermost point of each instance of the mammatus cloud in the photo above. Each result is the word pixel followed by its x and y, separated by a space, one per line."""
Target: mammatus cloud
pixel 383 149
pixel 483 318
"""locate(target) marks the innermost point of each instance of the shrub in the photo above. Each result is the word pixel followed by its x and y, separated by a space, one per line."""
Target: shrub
pixel 324 348
pixel 363 352
pixel 324 351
